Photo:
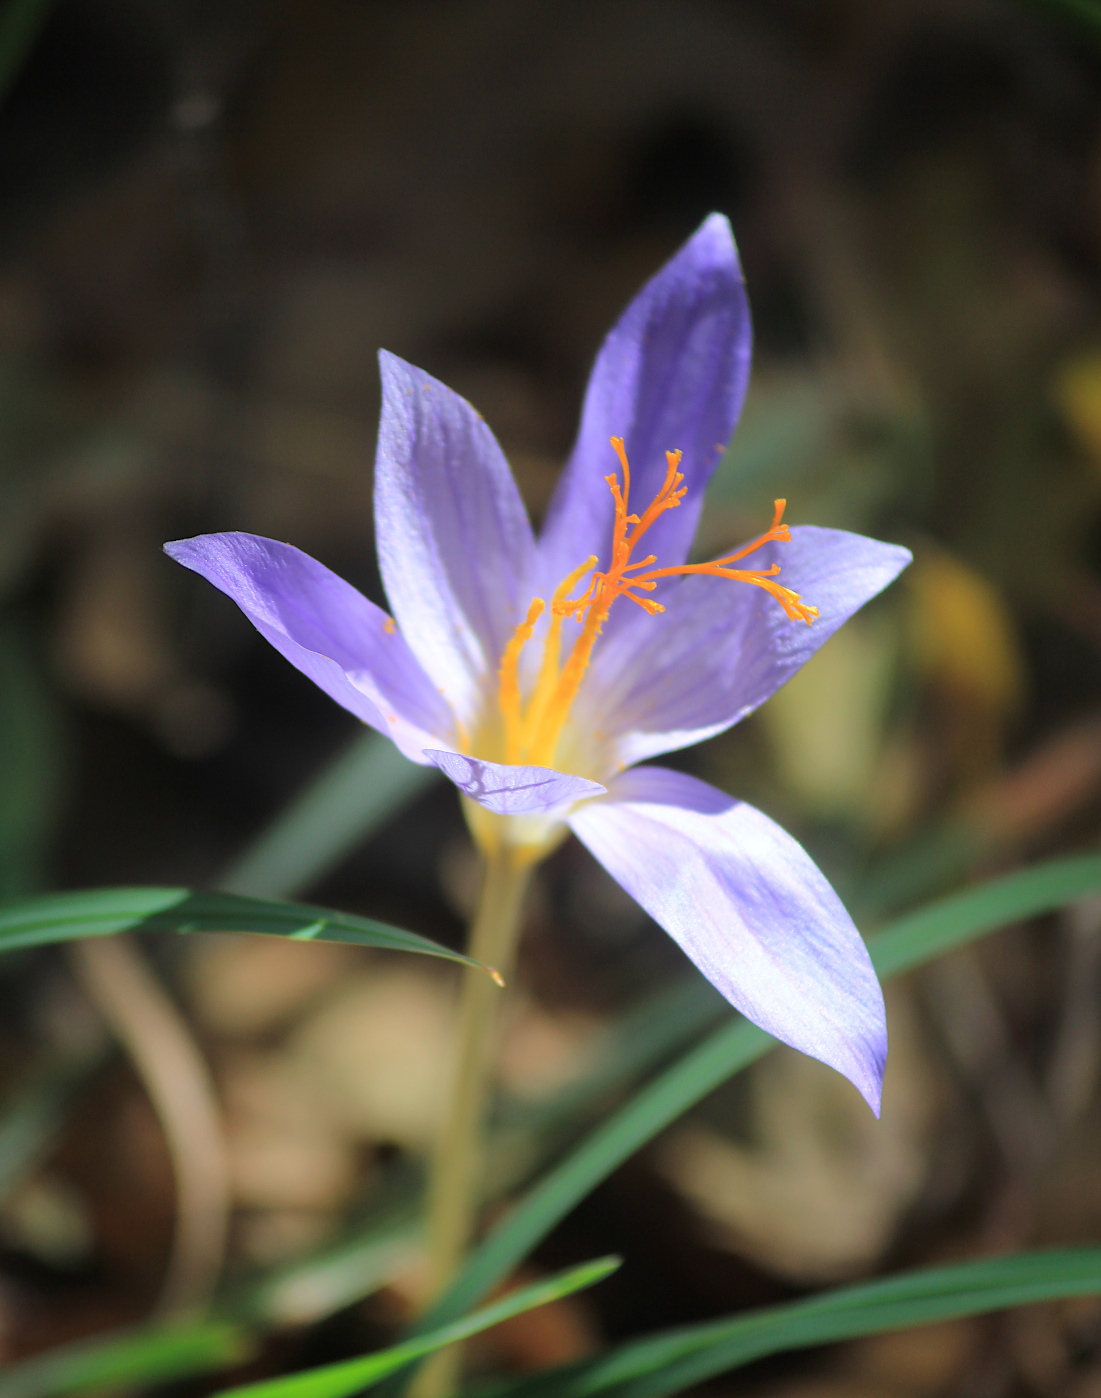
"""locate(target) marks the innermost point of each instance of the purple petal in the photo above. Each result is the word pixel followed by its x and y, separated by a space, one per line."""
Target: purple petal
pixel 670 376
pixel 721 648
pixel 509 790
pixel 751 909
pixel 454 541
pixel 327 630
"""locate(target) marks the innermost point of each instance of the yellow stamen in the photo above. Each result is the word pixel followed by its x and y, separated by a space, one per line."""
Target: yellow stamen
pixel 509 691
pixel 545 739
pixel 533 736
pixel 720 568
pixel 552 647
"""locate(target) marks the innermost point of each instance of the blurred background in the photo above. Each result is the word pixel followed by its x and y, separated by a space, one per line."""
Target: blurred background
pixel 214 212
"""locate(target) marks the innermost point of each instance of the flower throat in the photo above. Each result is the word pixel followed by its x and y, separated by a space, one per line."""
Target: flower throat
pixel 532 730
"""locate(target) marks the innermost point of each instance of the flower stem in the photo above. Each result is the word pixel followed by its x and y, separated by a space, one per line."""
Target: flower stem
pixel 454 1187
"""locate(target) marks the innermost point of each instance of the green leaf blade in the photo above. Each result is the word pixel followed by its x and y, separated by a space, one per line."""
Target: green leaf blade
pixel 135 1357
pixel 918 937
pixel 58 917
pixel 349 1376
pixel 99 912
pixel 661 1365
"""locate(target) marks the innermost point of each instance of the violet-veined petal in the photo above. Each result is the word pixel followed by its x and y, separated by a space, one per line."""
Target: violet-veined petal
pixel 751 909
pixel 507 790
pixel 328 630
pixel 671 376
pixel 454 542
pixel 721 648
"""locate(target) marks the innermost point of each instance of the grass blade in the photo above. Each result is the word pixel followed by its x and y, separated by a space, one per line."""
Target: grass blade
pixel 351 1375
pixel 640 1041
pixel 100 912
pixel 918 937
pixel 908 942
pixel 134 1357
pixel 667 1363
pixel 307 1289
pixel 351 798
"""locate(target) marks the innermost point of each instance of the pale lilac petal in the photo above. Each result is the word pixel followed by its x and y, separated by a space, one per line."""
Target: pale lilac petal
pixel 721 648
pixel 508 790
pixel 750 908
pixel 670 376
pixel 454 542
pixel 328 630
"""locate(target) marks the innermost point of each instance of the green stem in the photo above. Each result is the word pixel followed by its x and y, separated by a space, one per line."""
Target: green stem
pixel 454 1188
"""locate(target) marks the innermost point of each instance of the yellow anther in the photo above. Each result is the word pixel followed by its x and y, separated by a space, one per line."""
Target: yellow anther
pixel 560 604
pixel 720 568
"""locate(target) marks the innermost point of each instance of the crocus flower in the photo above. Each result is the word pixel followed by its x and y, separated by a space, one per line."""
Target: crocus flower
pixel 535 673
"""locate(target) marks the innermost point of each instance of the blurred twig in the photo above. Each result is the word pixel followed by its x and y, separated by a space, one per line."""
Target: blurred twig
pixel 175 1076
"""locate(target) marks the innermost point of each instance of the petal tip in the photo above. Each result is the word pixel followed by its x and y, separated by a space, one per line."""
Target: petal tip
pixel 873 1095
pixel 714 244
pixel 717 228
pixel 394 373
pixel 868 1077
pixel 183 551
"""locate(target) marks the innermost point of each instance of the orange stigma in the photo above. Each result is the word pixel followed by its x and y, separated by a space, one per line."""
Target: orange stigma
pixel 532 735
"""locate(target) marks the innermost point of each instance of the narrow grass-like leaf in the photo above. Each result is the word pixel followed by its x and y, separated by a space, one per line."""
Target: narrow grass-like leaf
pixel 142 1357
pixel 903 945
pixel 930 865
pixel 305 1290
pixel 667 1363
pixel 350 799
pixel 100 912
pixel 920 936
pixel 352 1375
pixel 663 1024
